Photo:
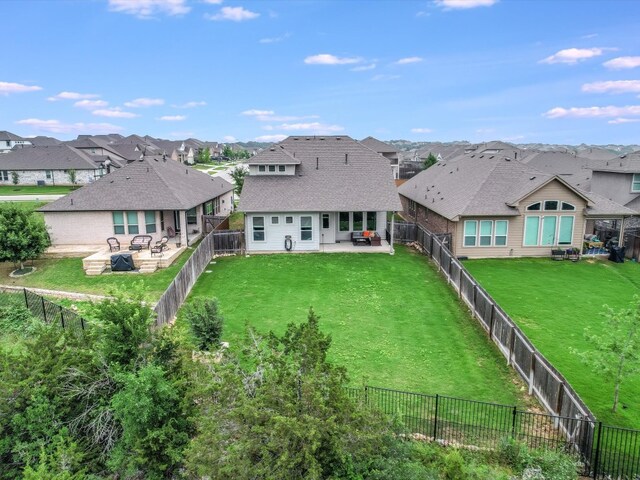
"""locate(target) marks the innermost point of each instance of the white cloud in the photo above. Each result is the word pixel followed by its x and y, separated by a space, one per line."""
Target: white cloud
pixel 328 59
pixel 230 139
pixel 190 105
pixel 90 104
pixel 270 138
pixel 618 121
pixel 573 55
pixel 408 60
pixel 56 126
pixel 72 96
pixel 422 13
pixel 144 102
pixel 275 39
pixel 172 118
pixel 622 63
pixel 421 130
pixel 181 135
pixel 364 68
pixel 593 112
pixel 256 113
pixel 7 88
pixel 212 2
pixel 384 77
pixel 613 86
pixel 234 14
pixel 149 8
pixel 114 113
pixel 464 4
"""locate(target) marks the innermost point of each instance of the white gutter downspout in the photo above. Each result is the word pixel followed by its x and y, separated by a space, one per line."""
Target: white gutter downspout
pixel 391 250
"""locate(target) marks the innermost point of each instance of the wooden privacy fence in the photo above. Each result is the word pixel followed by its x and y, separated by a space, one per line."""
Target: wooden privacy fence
pixel 543 380
pixel 176 293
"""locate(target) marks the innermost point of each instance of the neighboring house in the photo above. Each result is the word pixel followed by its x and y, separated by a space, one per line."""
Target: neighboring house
pixel 42 141
pixel 148 196
pixel 50 166
pixel 618 179
pixel 384 149
pixel 317 190
pixel 9 140
pixel 495 206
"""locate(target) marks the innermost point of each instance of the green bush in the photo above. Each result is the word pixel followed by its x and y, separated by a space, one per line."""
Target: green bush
pixel 537 463
pixel 205 321
pixel 16 319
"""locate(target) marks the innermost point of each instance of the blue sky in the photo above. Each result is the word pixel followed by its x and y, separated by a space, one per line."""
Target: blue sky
pixel 549 71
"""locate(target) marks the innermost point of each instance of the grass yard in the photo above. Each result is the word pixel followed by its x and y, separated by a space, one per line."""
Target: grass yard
pixel 27 204
pixel 35 190
pixel 553 302
pixel 66 274
pixel 236 221
pixel 393 321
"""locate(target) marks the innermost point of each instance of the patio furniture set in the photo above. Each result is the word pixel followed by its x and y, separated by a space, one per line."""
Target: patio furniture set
pixel 140 242
pixel 365 238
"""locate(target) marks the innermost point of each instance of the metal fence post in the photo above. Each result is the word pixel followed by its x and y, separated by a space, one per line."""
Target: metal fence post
pixel 61 316
pixel 26 298
pixel 596 460
pixel 82 323
pixel 366 395
pixel 513 422
pixel 44 310
pixel 435 420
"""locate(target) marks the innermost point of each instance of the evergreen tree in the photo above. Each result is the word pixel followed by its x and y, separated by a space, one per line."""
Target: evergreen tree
pixel 23 234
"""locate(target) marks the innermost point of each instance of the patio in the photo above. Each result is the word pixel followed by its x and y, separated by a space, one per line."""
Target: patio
pixel 144 260
pixel 344 246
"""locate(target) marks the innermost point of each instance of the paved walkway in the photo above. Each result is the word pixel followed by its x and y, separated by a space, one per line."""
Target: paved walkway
pixel 29 198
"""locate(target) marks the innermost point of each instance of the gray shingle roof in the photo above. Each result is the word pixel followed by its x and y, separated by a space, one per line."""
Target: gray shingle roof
pixel 274 155
pixel 604 207
pixel 378 146
pixel 487 185
pixel 363 182
pixel 149 184
pixel 54 157
pixel 42 141
pixel 625 164
pixel 566 165
pixel 4 135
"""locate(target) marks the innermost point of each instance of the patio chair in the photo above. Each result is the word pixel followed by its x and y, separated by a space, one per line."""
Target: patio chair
pixel 114 244
pixel 163 243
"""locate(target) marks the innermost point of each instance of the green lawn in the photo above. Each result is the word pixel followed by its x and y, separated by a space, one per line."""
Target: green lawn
pixel 236 221
pixel 66 274
pixel 553 302
pixel 35 190
pixel 27 204
pixel 394 322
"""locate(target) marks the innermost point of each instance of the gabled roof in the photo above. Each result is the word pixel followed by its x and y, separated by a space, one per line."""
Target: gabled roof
pixel 148 184
pixel 606 208
pixel 54 157
pixel 94 142
pixel 566 165
pixel 4 136
pixel 336 173
pixel 274 155
pixel 479 185
pixel 42 141
pixel 378 146
pixel 624 164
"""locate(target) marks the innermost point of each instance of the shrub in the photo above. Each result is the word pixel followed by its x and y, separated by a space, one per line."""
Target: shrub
pixel 16 319
pixel 205 322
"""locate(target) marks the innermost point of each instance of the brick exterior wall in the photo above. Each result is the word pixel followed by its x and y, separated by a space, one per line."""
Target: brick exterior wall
pixel 427 218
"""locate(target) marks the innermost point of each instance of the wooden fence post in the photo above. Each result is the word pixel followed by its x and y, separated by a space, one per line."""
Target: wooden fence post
pixel 512 342
pixel 560 398
pixel 532 371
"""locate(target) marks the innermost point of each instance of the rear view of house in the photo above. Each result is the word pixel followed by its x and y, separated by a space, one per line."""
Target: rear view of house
pixel 315 191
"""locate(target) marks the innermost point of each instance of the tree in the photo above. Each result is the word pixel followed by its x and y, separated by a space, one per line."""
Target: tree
pixel 73 176
pixel 429 161
pixel 282 412
pixel 238 174
pixel 15 178
pixel 227 151
pixel 205 321
pixel 23 235
pixel 616 351
pixel 204 155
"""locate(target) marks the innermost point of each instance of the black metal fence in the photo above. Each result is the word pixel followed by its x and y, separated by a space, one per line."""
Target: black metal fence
pixel 543 380
pixel 605 452
pixel 45 310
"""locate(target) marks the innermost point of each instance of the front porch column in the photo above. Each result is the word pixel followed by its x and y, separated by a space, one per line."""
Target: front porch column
pixel 621 238
pixel 183 227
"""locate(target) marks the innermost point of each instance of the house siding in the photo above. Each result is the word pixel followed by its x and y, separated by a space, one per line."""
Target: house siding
pixel 58 177
pixel 275 234
pixel 614 186
pixel 515 237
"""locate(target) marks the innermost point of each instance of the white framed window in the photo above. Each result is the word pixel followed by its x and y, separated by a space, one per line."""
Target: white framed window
pixel 486 233
pixel 258 229
pixel 566 206
pixel 372 221
pixel 357 221
pixel 192 217
pixel 118 223
pixel 275 220
pixel 470 233
pixel 551 205
pixel 208 208
pixel 548 234
pixel 343 221
pixel 216 205
pixel 534 207
pixel 288 220
pixel 282 168
pixel 48 174
pixel 531 231
pixel 325 220
pixel 548 230
pixel 132 223
pixel 272 168
pixel 4 175
pixel 262 168
pixel 150 221
pixel 565 230
pixel 306 228
pixel 500 233
pixel 412 208
pixel 635 183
